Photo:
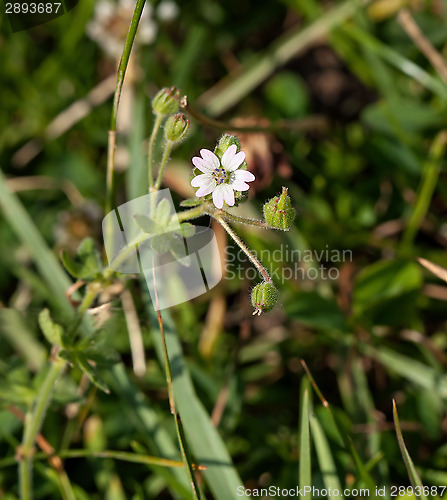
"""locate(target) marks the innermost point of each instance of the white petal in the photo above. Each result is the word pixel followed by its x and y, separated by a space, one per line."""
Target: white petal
pixel 210 158
pixel 202 164
pixel 228 194
pixel 243 175
pixel 201 180
pixel 218 196
pixel 232 161
pixel 228 156
pixel 239 185
pixel 206 189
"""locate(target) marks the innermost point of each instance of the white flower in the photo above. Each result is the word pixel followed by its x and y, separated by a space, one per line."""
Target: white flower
pixel 221 177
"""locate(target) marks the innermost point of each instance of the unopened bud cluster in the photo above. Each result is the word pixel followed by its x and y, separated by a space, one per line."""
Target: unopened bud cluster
pixel 166 104
pixel 263 297
pixel 278 211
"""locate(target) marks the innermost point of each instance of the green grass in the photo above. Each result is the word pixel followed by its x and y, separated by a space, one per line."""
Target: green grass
pixel 342 385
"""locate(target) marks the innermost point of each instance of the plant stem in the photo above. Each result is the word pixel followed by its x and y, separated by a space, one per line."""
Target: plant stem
pixel 427 186
pixel 34 419
pixel 150 151
pixel 119 85
pixel 306 124
pixel 33 423
pixel 244 220
pixel 193 213
pixel 262 271
pixel 164 160
pixel 178 422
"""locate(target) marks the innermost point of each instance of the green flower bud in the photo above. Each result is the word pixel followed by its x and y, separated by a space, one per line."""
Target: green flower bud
pixel 278 211
pixel 263 297
pixel 166 102
pixel 224 143
pixel 176 127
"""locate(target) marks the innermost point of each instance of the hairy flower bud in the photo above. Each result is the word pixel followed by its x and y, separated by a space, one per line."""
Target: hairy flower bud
pixel 166 102
pixel 278 211
pixel 263 297
pixel 224 143
pixel 176 127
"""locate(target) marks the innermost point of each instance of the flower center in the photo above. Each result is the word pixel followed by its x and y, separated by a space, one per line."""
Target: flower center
pixel 220 175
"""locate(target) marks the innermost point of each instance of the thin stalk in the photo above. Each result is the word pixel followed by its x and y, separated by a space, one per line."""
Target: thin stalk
pixel 262 271
pixel 33 423
pixel 426 189
pixel 34 419
pixel 244 220
pixel 119 86
pixel 164 161
pixel 309 123
pixel 178 422
pixel 150 151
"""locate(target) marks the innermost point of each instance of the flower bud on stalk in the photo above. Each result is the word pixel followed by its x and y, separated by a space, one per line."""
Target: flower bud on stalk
pixel 166 102
pixel 263 297
pixel 224 143
pixel 278 211
pixel 176 127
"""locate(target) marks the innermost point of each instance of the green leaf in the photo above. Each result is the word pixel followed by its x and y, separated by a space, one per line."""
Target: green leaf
pixel 413 475
pixel 204 440
pixel 191 202
pixel 305 477
pixel 325 459
pixel 288 93
pixel 163 212
pixel 187 229
pixel 14 393
pixel 161 243
pixel 146 224
pixel 26 230
pixel 52 331
pixel 308 308
pixel 87 264
pixel 91 371
pixel 384 280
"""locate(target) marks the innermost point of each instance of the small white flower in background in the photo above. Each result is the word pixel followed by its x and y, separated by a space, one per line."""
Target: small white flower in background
pixel 221 177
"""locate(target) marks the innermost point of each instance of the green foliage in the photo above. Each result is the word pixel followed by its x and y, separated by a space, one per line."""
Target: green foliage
pixel 337 103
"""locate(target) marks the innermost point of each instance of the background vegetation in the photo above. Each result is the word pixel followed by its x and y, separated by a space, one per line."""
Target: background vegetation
pixel 350 109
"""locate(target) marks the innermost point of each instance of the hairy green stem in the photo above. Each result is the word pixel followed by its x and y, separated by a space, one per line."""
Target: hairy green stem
pixel 150 151
pixel 164 161
pixel 244 220
pixel 262 271
pixel 116 99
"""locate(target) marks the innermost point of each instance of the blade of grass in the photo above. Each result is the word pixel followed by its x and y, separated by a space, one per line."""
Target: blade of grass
pixel 325 459
pixel 430 174
pixel 206 444
pixel 46 262
pixel 305 478
pixel 16 331
pixel 232 89
pixel 346 439
pixel 411 369
pixel 150 425
pixel 413 475
pixel 393 58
